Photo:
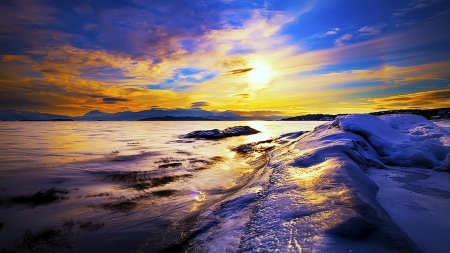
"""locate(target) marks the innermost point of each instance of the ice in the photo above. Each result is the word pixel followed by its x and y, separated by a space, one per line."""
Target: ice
pixel 402 140
pixel 314 194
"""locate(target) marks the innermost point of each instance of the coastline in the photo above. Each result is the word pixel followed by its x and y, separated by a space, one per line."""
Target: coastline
pixel 325 191
pixel 319 191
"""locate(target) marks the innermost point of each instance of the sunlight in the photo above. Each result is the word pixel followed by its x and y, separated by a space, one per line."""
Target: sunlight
pixel 264 134
pixel 260 75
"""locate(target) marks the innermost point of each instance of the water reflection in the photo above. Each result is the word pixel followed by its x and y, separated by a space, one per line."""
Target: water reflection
pixel 155 176
pixel 264 134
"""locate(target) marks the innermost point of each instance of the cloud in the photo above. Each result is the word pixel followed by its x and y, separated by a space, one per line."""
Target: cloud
pixel 196 54
pixel 199 104
pixel 341 40
pixel 17 58
pixel 109 100
pixel 426 99
pixel 331 32
pixel 419 6
pixel 370 30
pixel 11 100
pixel 256 113
pixel 242 95
pixel 238 71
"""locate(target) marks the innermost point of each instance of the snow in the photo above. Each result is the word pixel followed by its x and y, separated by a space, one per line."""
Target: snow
pixel 317 194
pixel 402 140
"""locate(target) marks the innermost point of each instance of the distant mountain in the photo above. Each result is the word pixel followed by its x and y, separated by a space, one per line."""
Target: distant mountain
pixel 439 113
pixel 170 118
pixel 312 117
pixel 194 114
pixel 155 112
pixel 12 115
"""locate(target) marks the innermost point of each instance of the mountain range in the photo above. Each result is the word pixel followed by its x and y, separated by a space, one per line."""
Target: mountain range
pixel 194 114
pixel 154 113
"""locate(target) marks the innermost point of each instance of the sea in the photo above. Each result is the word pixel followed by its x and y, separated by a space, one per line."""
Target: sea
pixel 101 186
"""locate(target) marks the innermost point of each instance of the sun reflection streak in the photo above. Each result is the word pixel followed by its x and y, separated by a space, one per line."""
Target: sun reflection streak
pixel 310 174
pixel 199 197
pixel 264 134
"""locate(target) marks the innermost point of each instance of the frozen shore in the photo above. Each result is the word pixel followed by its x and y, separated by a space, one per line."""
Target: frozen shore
pixel 319 192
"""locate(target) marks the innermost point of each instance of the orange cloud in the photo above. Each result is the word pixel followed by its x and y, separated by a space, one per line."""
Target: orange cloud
pixel 426 99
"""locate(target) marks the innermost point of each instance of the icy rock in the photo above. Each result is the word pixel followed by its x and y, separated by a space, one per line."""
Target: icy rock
pixel 206 134
pixel 217 134
pixel 313 194
pixel 402 140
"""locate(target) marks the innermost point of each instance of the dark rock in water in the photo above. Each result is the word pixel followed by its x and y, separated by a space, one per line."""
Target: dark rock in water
pixel 206 134
pixel 227 132
pixel 244 149
pixel 239 130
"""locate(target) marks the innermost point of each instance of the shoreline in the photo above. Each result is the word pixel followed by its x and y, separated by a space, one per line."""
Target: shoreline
pixel 301 191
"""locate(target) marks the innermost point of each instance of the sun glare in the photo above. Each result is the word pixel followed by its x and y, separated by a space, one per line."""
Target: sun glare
pixel 259 76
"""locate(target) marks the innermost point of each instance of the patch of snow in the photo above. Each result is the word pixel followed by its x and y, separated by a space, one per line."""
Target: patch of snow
pixel 401 140
pixel 314 194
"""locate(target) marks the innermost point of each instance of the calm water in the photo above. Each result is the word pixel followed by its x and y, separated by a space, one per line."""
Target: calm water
pixel 110 186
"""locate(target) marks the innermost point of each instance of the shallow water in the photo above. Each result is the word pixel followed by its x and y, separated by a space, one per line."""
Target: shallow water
pixel 74 184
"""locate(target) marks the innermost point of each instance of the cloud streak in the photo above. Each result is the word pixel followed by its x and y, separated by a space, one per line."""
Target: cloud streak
pixel 132 54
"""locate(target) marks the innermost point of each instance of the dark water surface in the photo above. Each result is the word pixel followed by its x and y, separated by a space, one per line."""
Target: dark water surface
pixel 111 186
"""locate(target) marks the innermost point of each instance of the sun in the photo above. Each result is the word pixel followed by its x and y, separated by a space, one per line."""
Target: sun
pixel 260 75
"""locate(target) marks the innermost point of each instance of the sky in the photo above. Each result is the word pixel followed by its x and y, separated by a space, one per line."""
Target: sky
pixel 273 57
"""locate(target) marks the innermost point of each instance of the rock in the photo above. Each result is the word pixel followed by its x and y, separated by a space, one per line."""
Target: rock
pixel 244 149
pixel 206 134
pixel 217 134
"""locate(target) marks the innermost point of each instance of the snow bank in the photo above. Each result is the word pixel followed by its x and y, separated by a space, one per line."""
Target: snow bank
pixel 313 195
pixel 402 140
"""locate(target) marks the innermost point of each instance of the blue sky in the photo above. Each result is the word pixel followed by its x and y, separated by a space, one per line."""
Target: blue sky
pixel 253 57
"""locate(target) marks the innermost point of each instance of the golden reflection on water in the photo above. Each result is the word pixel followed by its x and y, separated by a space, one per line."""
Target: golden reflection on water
pixel 260 126
pixel 199 197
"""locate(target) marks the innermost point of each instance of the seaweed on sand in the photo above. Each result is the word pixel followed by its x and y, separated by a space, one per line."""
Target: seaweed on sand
pixel 164 193
pixel 84 226
pixel 170 160
pixel 261 146
pixel 157 182
pixel 143 180
pixel 218 158
pixel 115 157
pixel 42 197
pixel 90 225
pixel 202 164
pixel 47 240
pixel 184 152
pixel 140 180
pixel 121 206
pixel 103 194
pixel 169 165
pixel 161 181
